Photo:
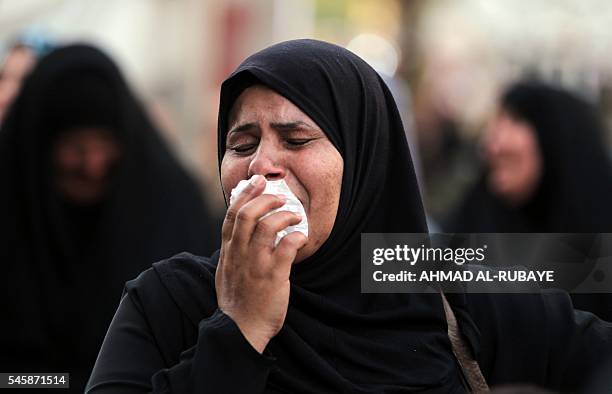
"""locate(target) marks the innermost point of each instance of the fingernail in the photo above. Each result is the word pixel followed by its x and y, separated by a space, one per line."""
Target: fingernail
pixel 282 198
pixel 298 216
pixel 257 180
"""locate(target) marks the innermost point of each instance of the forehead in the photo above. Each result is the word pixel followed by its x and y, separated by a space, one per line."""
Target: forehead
pixel 258 103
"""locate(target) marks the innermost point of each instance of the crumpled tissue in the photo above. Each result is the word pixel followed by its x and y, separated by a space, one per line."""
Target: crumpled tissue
pixel 279 187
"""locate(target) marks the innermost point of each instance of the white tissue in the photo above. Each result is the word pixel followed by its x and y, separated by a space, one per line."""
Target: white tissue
pixel 292 204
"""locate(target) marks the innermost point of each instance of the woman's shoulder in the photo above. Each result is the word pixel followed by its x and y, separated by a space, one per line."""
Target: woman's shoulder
pixel 183 283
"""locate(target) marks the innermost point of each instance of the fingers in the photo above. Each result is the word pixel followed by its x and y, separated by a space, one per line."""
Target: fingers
pixel 249 216
pixel 254 189
pixel 265 231
pixel 287 250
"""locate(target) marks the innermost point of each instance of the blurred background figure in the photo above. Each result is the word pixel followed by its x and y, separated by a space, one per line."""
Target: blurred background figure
pixel 13 68
pixel 91 196
pixel 546 170
pixel 16 63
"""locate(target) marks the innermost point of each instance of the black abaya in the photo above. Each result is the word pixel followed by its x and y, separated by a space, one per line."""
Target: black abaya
pixel 168 337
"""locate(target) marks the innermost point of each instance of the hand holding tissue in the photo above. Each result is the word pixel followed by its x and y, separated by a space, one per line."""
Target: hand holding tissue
pixel 279 187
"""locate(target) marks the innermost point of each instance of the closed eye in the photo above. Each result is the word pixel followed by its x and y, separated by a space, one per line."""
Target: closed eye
pixel 242 148
pixel 298 141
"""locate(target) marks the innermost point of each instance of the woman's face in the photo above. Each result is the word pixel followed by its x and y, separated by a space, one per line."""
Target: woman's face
pixel 513 156
pixel 268 135
pixel 83 160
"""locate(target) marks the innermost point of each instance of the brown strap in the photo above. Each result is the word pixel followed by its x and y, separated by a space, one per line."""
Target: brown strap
pixel 470 367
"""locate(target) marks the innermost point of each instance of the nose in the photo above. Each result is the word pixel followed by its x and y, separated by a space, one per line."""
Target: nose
pixel 267 161
pixel 96 164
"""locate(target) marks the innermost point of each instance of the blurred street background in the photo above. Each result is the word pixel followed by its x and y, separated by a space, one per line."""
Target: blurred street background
pixel 447 60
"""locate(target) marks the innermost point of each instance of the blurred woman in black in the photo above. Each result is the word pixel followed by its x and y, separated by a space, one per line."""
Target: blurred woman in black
pixel 547 171
pixel 90 196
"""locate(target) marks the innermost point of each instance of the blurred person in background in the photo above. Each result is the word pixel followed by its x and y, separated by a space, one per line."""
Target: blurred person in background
pixel 547 170
pixel 91 196
pixel 17 62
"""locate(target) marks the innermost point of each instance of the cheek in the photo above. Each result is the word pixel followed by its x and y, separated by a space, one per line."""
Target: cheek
pixel 531 165
pixel 526 148
pixel 66 159
pixel 323 183
pixel 233 170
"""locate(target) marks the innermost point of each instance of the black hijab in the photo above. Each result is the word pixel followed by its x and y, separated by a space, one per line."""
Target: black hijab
pixel 63 265
pixel 334 337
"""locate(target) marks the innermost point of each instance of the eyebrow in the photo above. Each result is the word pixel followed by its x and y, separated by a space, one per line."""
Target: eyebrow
pixel 243 127
pixel 288 126
pixel 279 126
